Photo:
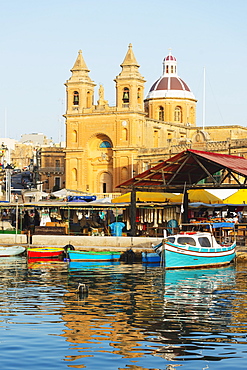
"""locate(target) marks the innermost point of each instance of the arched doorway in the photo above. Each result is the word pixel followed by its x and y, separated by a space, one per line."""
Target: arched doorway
pixel 100 164
pixel 105 182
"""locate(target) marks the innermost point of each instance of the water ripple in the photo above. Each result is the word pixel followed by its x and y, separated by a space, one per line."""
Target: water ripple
pixel 143 318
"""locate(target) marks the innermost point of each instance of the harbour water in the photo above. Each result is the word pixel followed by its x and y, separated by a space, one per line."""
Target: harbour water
pixel 132 317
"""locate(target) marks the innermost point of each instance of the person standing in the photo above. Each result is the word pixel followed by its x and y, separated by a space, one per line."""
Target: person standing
pixel 36 218
pixel 26 221
pixel 117 228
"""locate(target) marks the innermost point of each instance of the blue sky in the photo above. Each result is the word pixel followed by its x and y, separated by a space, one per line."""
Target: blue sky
pixel 39 42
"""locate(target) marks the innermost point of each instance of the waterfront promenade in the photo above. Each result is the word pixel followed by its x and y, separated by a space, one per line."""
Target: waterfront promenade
pixel 85 242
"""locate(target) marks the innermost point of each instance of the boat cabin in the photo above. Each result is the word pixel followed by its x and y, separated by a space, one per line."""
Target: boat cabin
pixel 195 239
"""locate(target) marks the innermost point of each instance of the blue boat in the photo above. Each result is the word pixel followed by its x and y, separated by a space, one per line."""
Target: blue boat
pixel 98 256
pixel 150 257
pixel 194 250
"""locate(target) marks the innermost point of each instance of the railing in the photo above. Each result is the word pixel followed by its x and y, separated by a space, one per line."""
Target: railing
pixel 51 169
pixel 107 195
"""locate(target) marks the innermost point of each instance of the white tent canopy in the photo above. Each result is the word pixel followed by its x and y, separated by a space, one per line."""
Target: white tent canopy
pixel 62 193
pixel 101 201
pixel 35 194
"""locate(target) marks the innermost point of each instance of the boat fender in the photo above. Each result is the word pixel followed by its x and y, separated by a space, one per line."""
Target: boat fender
pixel 129 256
pixel 69 247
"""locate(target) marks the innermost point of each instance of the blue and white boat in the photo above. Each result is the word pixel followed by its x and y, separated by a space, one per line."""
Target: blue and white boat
pixel 194 250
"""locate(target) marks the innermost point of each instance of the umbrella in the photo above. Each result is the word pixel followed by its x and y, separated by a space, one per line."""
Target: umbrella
pixel 60 193
pixel 198 195
pixel 240 197
pixel 144 196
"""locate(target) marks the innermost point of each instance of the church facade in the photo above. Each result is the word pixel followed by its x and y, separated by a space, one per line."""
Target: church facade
pixel 106 145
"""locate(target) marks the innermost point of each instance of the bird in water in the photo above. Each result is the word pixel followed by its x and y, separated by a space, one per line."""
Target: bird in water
pixel 82 289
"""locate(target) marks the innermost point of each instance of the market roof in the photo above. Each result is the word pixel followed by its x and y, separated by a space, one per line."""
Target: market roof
pixel 188 168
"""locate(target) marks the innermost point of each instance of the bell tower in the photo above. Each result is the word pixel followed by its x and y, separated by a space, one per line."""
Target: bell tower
pixel 79 88
pixel 130 84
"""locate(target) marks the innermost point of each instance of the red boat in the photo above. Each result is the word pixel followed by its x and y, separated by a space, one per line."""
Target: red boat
pixel 45 252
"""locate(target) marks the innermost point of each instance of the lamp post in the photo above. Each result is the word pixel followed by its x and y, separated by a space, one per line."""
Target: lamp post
pixel 48 180
pixel 8 169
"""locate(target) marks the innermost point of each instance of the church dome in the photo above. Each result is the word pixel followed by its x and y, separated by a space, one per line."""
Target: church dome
pixel 170 57
pixel 170 85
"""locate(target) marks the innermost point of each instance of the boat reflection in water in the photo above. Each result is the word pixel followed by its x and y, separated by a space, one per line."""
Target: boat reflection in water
pixel 183 285
pixel 196 303
pixel 134 307
pixel 44 263
pixel 90 265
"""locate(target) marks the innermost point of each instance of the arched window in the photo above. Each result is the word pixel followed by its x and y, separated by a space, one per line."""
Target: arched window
pixel 74 174
pixel 74 136
pixel 105 144
pixel 192 115
pixel 139 96
pixel 171 69
pixel 178 114
pixel 125 134
pixel 124 173
pixel 126 95
pixel 161 113
pixel 156 138
pixel 89 99
pixel 167 69
pixel 76 98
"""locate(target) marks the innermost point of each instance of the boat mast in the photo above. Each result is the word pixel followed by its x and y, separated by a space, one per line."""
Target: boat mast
pixel 204 99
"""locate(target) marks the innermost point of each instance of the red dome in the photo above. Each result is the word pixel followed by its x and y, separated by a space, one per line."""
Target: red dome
pixel 170 57
pixel 169 83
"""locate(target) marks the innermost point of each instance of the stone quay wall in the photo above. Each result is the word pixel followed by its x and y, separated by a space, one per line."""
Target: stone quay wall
pixel 121 243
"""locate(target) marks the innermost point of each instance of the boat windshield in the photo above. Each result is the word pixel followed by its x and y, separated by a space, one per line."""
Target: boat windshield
pixel 171 239
pixel 204 242
pixel 183 240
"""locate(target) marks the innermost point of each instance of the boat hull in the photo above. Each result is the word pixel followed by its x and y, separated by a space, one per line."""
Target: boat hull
pixel 192 257
pixel 93 256
pixel 149 257
pixel 45 252
pixel 11 251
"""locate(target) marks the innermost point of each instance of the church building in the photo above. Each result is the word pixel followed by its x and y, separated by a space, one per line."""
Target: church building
pixel 106 145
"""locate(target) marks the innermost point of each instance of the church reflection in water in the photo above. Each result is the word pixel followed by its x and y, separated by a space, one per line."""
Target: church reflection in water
pixel 131 310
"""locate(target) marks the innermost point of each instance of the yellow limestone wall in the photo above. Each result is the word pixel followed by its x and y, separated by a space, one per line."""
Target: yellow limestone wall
pixel 106 145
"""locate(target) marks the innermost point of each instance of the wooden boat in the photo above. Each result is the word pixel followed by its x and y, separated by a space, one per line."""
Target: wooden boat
pixel 150 257
pixel 14 250
pixel 45 252
pixel 194 250
pixel 93 255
